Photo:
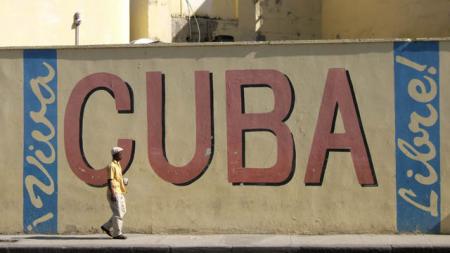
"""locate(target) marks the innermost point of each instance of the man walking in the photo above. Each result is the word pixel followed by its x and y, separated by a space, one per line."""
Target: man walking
pixel 115 194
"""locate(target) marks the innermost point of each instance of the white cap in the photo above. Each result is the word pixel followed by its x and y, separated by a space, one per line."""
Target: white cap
pixel 116 150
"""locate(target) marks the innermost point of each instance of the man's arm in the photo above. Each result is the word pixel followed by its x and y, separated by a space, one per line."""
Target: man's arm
pixel 113 196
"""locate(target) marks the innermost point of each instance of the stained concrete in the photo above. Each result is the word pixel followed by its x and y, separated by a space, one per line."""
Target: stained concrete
pixel 225 243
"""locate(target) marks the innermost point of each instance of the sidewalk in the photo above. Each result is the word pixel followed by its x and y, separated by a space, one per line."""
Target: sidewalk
pixel 225 243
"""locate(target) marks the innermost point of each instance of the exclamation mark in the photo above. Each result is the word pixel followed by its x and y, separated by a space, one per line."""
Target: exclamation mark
pixel 40 220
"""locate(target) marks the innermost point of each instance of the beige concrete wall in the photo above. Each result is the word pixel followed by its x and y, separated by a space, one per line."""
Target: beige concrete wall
pixel 35 23
pixel 11 71
pixel 445 121
pixel 288 19
pixel 247 21
pixel 211 203
pixel 385 19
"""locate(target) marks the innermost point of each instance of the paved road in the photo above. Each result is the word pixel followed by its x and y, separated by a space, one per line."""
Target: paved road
pixel 225 243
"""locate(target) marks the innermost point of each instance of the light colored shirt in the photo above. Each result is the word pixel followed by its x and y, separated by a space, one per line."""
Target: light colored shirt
pixel 115 174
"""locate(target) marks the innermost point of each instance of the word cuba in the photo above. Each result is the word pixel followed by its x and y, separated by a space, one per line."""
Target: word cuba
pixel 338 96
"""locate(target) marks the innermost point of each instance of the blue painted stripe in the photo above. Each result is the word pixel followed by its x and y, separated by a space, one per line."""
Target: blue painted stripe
pixel 40 174
pixel 416 67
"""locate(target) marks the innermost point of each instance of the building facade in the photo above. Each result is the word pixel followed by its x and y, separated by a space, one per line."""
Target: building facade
pixel 51 22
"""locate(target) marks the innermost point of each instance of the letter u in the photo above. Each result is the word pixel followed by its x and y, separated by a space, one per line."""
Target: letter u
pixel 180 175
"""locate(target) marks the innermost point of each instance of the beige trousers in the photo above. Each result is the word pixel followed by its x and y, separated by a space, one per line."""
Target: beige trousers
pixel 118 208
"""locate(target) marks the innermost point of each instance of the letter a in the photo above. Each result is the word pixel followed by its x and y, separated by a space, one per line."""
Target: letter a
pixel 338 94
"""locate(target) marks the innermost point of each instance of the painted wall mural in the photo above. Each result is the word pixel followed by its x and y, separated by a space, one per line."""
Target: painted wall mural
pixel 320 138
pixel 417 136
pixel 40 151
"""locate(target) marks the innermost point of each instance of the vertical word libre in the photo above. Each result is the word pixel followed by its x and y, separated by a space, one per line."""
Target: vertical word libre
pixel 417 137
pixel 40 175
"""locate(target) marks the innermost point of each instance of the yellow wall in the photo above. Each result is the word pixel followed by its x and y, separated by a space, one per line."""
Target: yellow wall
pixel 35 23
pixel 225 9
pixel 385 19
pixel 138 19
pixel 159 21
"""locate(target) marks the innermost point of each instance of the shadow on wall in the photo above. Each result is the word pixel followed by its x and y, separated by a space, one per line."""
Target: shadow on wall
pixel 243 20
pixel 445 225
pixel 253 20
pixel 288 19
pixel 197 27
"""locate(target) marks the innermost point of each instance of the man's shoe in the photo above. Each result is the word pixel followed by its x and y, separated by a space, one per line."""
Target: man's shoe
pixel 106 231
pixel 120 237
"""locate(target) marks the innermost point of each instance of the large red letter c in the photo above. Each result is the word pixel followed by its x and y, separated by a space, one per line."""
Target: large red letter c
pixel 73 124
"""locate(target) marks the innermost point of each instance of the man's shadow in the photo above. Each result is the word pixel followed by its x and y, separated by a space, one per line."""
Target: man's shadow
pixel 43 237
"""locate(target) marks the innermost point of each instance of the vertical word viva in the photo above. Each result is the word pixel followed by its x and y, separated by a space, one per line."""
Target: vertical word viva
pixel 40 175
pixel 417 137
